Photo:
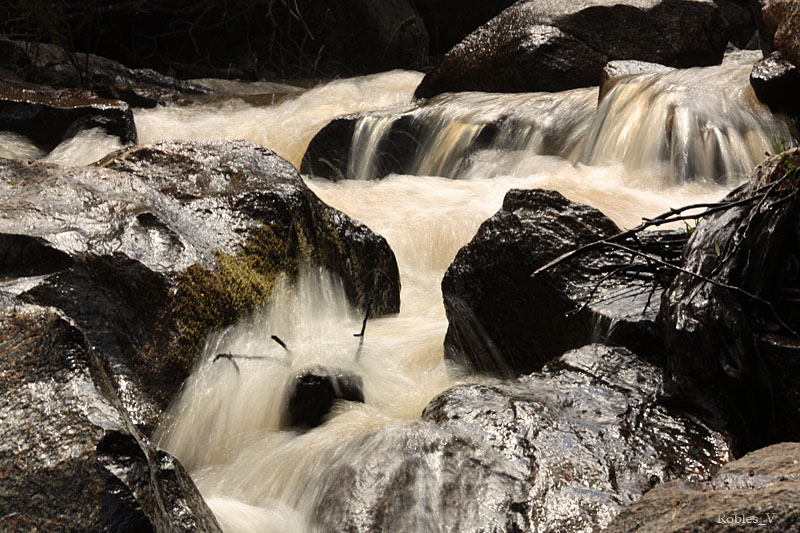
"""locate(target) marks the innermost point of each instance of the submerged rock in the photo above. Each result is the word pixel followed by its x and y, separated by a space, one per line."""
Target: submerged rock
pixel 71 458
pixel 562 450
pixel 760 491
pixel 614 71
pixel 731 335
pixel 158 245
pixel 309 395
pixel 49 116
pixel 503 321
pixel 543 45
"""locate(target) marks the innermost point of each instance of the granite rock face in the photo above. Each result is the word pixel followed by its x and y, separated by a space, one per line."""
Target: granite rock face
pixel 732 349
pixel 545 45
pixel 760 491
pixel 561 450
pixel 504 321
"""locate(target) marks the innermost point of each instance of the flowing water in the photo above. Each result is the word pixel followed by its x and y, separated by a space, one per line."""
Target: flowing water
pixel 656 141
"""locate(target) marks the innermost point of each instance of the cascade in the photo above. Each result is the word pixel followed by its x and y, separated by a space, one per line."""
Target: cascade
pixel 225 426
pixel 653 141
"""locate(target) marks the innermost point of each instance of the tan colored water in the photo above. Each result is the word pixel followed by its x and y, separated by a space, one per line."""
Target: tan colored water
pixel 225 426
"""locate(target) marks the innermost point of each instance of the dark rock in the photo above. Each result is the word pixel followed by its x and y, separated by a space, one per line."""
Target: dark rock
pixel 760 492
pixel 730 357
pixel 544 45
pixel 71 457
pixel 335 152
pixel 309 395
pixel 160 244
pixel 52 65
pixel 503 321
pixel 50 117
pixel 562 450
pixel 776 82
pixel 739 18
pixel 614 71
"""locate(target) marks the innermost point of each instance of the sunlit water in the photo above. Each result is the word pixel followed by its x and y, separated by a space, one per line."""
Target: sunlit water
pixel 225 426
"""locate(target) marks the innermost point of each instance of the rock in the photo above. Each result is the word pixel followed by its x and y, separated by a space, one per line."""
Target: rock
pixel 156 246
pixel 776 82
pixel 448 22
pixel 50 117
pixel 565 450
pixel 787 32
pixel 739 18
pixel 614 71
pixel 759 491
pixel 503 321
pixel 367 146
pixel 729 356
pixel 310 394
pixel 544 45
pixel 48 64
pixel 71 458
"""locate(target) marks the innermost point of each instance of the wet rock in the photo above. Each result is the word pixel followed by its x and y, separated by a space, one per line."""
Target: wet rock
pixel 156 246
pixel 49 116
pixel 309 395
pixel 543 45
pixel 49 64
pixel 731 357
pixel 71 459
pixel 562 450
pixel 503 321
pixel 342 149
pixel 760 491
pixel 776 82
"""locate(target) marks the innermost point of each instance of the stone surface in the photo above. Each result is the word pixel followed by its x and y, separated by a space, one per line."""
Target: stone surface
pixel 70 457
pixel 760 491
pixel 781 21
pixel 562 450
pixel 731 357
pixel 310 394
pixel 157 245
pixel 503 321
pixel 49 117
pixel 49 64
pixel 776 82
pixel 544 45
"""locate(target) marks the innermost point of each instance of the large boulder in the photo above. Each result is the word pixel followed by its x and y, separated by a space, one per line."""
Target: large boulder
pixel 48 64
pixel 544 45
pixel 781 19
pixel 730 318
pixel 760 491
pixel 158 245
pixel 562 450
pixel 48 117
pixel 504 321
pixel 71 458
pixel 776 82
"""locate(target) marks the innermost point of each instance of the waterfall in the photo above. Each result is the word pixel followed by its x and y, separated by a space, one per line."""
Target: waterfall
pixel 653 142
